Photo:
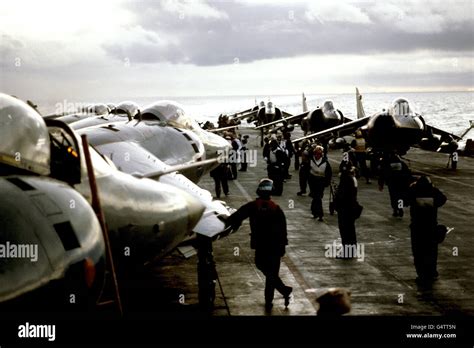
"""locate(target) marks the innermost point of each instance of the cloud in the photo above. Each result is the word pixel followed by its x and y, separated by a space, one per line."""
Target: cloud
pixel 423 17
pixel 253 31
pixel 114 45
pixel 336 11
pixel 192 9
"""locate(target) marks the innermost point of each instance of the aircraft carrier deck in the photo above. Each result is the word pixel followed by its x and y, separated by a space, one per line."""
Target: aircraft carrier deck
pixel 382 284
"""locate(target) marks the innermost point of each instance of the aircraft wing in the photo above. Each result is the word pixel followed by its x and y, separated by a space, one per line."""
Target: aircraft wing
pixel 442 133
pixel 291 119
pixel 247 113
pixel 240 113
pixel 345 127
pixel 172 169
pixel 221 129
pixel 286 114
pixel 347 120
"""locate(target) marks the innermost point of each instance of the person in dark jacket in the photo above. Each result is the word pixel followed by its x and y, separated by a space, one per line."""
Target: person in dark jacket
pixel 320 174
pixel 347 206
pixel 276 167
pixel 289 151
pixel 219 174
pixel 360 152
pixel 243 155
pixel 235 155
pixel 304 151
pixel 424 200
pixel 396 174
pixel 268 237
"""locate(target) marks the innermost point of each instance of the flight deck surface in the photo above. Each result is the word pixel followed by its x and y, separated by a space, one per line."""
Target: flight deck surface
pixel 383 283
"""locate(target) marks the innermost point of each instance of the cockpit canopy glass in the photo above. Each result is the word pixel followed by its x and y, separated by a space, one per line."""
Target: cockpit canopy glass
pixel 170 112
pixel 401 107
pixel 101 109
pixel 270 109
pixel 24 137
pixel 328 106
pixel 128 108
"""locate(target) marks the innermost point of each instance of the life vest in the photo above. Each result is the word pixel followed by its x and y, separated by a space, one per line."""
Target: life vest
pixel 359 145
pixel 318 169
pixel 272 157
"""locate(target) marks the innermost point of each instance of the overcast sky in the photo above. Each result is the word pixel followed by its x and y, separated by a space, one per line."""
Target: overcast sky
pixel 54 49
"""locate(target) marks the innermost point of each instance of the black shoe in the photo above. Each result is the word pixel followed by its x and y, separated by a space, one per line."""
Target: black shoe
pixel 268 307
pixel 400 212
pixel 288 296
pixel 301 193
pixel 228 193
pixel 320 218
pixel 395 213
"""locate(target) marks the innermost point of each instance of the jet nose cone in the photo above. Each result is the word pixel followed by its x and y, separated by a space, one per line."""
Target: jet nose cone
pixel 195 211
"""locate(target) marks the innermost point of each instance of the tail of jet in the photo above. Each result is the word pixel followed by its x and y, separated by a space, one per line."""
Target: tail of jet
pixel 360 107
pixel 305 106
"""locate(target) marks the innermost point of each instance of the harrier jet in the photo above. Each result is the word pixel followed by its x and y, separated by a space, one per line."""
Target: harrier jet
pixel 44 176
pixel 392 130
pixel 261 114
pixel 162 131
pixel 312 121
pixel 121 112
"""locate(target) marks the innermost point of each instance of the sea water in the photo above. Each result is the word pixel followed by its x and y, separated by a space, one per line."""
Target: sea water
pixel 450 111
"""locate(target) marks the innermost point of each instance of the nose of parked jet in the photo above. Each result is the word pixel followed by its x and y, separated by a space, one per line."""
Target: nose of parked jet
pixel 195 211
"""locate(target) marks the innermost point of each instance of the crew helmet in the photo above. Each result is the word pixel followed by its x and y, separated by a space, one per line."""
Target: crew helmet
pixel 265 187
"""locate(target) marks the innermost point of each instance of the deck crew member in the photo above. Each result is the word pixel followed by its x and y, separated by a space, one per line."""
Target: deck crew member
pixel 268 237
pixel 424 200
pixel 395 173
pixel 360 153
pixel 320 174
pixel 289 149
pixel 304 150
pixel 219 174
pixel 243 154
pixel 348 209
pixel 276 171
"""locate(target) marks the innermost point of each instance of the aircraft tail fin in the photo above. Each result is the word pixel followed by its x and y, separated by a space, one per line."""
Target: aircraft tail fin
pixel 305 106
pixel 360 107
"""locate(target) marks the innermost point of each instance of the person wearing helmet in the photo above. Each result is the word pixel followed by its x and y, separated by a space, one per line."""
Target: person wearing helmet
pixel 25 144
pixel 424 200
pixel 268 237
